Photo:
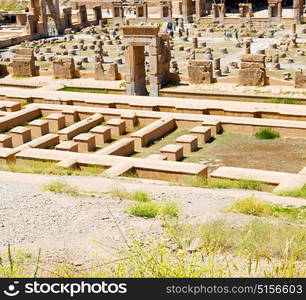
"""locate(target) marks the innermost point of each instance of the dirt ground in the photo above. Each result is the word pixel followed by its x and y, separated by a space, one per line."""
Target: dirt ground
pixel 244 151
pixel 83 229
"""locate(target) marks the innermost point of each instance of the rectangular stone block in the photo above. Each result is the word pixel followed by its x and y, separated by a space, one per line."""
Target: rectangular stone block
pixel 86 142
pixel 189 143
pixel 56 122
pixel 203 133
pixel 39 128
pixel 102 135
pixel 253 58
pixel 173 152
pixel 117 126
pixel 20 135
pixel 5 141
pixel 67 146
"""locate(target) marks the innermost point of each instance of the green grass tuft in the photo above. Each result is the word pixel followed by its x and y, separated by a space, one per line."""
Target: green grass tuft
pixel 245 184
pixel 141 196
pixel 61 187
pixel 267 134
pixel 144 209
pixel 256 207
pixel 301 193
pixel 153 209
pixel 283 101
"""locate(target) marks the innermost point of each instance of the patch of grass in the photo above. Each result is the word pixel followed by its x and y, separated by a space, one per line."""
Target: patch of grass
pixel 169 208
pixel 260 238
pixel 154 208
pixel 301 193
pixel 283 101
pixel 245 184
pixel 218 249
pixel 61 187
pixel 144 209
pixel 267 134
pixel 83 90
pixel 49 168
pixel 256 207
pixel 141 196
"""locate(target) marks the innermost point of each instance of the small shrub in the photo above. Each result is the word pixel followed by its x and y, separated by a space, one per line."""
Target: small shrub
pixel 61 187
pixel 217 183
pixel 252 206
pixel 256 207
pixel 141 196
pixel 144 209
pixel 169 208
pixel 247 184
pixel 283 101
pixel 266 134
pixel 301 193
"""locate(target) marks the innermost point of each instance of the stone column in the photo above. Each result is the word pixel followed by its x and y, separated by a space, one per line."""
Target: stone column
pixel 297 10
pixel 155 80
pixel 82 15
pixel 67 17
pixel 141 11
pixel 166 11
pixel 98 13
pixel 187 11
pixel 200 9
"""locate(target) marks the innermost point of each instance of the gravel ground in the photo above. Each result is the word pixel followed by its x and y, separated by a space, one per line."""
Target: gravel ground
pixel 66 227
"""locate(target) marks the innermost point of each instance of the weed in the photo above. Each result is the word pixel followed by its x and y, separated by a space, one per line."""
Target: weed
pixel 267 134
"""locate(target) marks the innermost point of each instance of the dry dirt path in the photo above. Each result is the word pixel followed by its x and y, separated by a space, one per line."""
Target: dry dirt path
pixel 65 227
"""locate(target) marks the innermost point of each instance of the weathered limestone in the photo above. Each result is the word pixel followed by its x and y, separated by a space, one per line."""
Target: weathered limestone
pixel 97 13
pixel 165 11
pixel 157 157
pixel 152 132
pixel 56 122
pixel 111 74
pixel 80 127
pixel 119 169
pixel 19 117
pixel 130 119
pixel 275 11
pixel 102 135
pixel 189 143
pixel 67 17
pixel 298 10
pixel 141 11
pixel 86 142
pixel 253 70
pixel 124 147
pixel 63 68
pixel 117 126
pixel 144 168
pixel 203 133
pixel 137 37
pixel 300 79
pixel 200 71
pixel 24 63
pixel 283 181
pixel 39 128
pixel 173 152
pixel 5 141
pixel 218 12
pixel 187 9
pixel 82 15
pixel 67 146
pixel 118 13
pixel 245 12
pixel 20 135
